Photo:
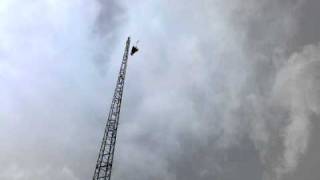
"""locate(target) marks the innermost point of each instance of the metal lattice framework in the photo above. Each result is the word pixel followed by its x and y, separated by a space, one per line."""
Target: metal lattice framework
pixel 106 153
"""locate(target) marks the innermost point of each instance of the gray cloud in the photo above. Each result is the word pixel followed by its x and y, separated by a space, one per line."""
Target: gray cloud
pixel 225 61
pixel 220 90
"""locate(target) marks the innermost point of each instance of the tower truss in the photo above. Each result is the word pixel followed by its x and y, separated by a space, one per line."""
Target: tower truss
pixel 105 158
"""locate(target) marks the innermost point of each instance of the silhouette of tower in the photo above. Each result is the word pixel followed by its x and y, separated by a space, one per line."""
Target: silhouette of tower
pixel 105 158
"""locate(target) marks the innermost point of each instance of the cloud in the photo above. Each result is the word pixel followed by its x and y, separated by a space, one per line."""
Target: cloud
pixel 298 87
pixel 50 88
pixel 207 85
pixel 218 90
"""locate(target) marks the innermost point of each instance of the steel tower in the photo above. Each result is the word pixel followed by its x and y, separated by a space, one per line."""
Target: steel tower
pixel 106 153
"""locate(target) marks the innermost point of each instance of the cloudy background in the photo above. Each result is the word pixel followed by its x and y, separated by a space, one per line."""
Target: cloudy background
pixel 220 89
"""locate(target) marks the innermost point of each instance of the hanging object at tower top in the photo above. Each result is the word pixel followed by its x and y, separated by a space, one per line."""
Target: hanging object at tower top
pixel 134 49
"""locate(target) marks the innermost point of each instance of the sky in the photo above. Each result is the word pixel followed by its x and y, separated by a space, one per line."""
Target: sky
pixel 219 89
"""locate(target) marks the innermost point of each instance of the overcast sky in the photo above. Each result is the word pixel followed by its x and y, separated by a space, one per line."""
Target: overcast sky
pixel 220 90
